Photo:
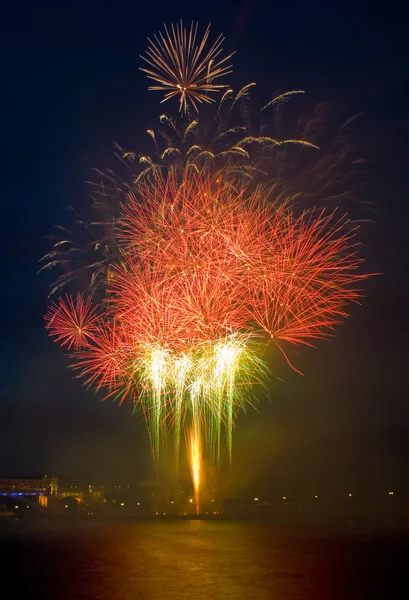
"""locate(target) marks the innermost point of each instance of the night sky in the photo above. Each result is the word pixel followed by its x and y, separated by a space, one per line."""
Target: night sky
pixel 70 88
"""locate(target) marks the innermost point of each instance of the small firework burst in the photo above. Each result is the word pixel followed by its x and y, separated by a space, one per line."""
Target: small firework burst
pixel 73 322
pixel 184 66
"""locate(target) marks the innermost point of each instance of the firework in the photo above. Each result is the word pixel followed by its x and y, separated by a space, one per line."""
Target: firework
pixel 227 143
pixel 195 462
pixel 73 322
pixel 84 251
pixel 209 253
pixel 183 66
pixel 209 274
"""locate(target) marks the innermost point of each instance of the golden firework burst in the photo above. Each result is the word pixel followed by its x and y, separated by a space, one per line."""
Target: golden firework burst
pixel 183 65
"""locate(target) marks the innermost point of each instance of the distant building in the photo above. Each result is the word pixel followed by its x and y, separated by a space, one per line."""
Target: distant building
pixel 46 489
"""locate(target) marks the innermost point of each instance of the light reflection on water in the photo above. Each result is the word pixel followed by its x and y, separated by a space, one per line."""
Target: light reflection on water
pixel 201 560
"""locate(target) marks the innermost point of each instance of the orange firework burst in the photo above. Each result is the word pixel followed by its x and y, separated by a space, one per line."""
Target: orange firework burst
pixel 205 269
pixel 73 322
pixel 182 66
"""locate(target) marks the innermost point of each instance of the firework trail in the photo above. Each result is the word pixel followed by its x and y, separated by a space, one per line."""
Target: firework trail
pixel 195 460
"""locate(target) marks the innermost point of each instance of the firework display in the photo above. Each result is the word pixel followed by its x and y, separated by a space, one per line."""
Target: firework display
pixel 210 266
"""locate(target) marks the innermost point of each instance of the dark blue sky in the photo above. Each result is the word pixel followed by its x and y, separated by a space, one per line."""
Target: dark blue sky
pixel 70 87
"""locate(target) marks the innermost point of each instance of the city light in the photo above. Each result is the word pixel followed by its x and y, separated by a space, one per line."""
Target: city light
pixel 390 493
pixel 350 495
pixel 255 499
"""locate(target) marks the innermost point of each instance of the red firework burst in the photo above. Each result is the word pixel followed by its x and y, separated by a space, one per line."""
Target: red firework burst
pixel 204 268
pixel 232 259
pixel 202 260
pixel 73 322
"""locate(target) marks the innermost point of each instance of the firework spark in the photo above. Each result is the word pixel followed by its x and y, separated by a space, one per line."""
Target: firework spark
pixel 183 66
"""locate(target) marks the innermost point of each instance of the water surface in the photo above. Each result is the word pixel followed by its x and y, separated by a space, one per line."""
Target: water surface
pixel 201 560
